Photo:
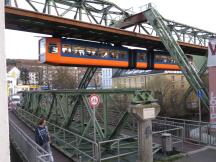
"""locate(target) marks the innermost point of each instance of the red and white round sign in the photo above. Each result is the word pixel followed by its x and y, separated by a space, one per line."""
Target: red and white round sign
pixel 94 100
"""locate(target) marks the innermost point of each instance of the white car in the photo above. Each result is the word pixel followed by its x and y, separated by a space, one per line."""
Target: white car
pixel 14 101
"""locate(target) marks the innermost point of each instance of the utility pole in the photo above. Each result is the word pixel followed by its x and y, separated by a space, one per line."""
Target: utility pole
pixel 4 133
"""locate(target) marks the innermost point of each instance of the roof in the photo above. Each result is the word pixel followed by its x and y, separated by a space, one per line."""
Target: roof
pixel 134 72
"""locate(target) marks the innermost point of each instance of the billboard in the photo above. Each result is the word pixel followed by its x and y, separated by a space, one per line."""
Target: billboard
pixel 212 79
pixel 212 53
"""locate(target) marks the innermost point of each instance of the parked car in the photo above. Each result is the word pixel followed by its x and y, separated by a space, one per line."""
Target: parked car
pixel 14 102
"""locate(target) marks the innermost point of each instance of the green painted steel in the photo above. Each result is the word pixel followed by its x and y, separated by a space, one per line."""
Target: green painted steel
pixel 160 26
pixel 201 73
pixel 111 114
pixel 112 119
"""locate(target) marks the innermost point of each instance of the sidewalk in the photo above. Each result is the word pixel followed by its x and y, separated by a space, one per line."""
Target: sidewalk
pixel 58 156
pixel 202 155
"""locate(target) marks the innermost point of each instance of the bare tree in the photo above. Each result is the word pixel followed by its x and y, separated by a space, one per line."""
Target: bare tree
pixel 24 76
pixel 169 95
pixel 63 79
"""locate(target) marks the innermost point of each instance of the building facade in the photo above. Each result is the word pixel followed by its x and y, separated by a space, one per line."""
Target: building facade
pixel 33 73
pixel 107 74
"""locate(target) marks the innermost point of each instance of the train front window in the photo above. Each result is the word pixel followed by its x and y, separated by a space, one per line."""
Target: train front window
pixel 78 50
pixel 102 52
pixel 90 51
pixel 53 48
pixel 66 48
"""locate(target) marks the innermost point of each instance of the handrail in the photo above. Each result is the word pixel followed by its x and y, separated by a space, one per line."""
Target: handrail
pixel 31 150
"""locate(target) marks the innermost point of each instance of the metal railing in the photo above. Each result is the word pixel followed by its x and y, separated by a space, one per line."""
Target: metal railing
pixel 84 149
pixel 71 143
pixel 194 131
pixel 30 150
pixel 118 148
pixel 176 132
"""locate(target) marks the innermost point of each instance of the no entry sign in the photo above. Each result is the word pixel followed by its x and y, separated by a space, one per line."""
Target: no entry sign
pixel 94 100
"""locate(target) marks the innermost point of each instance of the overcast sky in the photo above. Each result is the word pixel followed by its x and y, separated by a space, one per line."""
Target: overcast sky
pixel 198 13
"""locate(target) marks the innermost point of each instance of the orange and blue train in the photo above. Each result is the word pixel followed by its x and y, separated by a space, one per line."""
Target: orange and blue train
pixel 73 52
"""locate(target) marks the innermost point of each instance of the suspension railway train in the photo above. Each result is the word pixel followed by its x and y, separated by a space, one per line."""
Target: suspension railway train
pixel 73 52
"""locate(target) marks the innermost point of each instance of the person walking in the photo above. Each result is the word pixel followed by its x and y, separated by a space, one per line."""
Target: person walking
pixel 42 137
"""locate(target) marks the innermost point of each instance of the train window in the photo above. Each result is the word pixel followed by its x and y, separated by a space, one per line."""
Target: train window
pixel 66 48
pixel 142 56
pixel 114 53
pixel 103 52
pixel 123 54
pixel 164 59
pixel 53 48
pixel 79 50
pixel 90 51
pixel 158 58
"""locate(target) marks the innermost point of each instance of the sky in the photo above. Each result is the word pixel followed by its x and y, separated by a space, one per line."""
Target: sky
pixel 197 13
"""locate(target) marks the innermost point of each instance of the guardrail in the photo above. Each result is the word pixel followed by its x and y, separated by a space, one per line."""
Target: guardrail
pixel 118 147
pixel 194 131
pixel 31 151
pixel 84 149
pixel 177 133
pixel 70 143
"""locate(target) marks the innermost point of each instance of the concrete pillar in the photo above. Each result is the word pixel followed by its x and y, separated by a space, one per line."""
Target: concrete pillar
pixel 144 113
pixel 4 133
pixel 145 153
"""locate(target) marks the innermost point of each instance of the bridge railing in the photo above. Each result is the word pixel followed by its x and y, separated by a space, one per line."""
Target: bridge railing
pixel 67 141
pixel 194 131
pixel 30 150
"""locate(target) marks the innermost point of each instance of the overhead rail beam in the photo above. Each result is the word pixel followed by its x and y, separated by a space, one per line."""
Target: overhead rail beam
pixel 181 32
pixel 23 20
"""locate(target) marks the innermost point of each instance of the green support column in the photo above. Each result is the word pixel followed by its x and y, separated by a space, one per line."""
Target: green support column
pixel 105 115
pixel 172 46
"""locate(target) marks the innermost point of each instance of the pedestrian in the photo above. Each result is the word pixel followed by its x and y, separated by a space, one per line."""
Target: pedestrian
pixel 42 137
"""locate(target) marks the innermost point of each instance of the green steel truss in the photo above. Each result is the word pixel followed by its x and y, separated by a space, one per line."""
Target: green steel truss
pixel 83 85
pixel 201 73
pixel 111 114
pixel 161 27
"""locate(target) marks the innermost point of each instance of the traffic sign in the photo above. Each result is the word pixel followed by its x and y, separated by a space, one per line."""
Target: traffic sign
pixel 200 93
pixel 94 100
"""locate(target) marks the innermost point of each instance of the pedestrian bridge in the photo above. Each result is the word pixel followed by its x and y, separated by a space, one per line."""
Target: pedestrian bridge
pixel 69 146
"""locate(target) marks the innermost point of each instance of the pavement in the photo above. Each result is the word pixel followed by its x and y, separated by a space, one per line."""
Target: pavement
pixel 206 154
pixel 58 156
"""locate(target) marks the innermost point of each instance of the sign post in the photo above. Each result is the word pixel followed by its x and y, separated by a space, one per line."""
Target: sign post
pixel 200 94
pixel 94 101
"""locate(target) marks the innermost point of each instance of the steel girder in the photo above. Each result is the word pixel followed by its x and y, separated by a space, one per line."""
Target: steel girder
pixel 161 27
pixel 180 32
pixel 111 115
pixel 93 11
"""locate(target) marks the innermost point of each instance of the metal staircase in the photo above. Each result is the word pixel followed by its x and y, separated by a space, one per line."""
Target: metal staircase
pixel 160 26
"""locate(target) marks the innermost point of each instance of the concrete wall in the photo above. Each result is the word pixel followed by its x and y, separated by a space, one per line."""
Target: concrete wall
pixel 4 133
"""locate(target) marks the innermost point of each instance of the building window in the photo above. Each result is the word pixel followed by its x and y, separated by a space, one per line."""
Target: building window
pixel 182 78
pixel 173 78
pixel 182 86
pixel 129 82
